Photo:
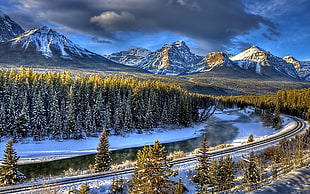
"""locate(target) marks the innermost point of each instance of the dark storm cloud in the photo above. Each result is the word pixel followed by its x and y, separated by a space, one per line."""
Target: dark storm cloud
pixel 216 21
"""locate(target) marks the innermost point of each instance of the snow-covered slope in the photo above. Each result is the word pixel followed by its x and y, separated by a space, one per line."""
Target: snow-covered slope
pixel 171 59
pixel 131 57
pixel 50 43
pixel 8 28
pixel 46 47
pixel 302 67
pixel 261 61
pixel 212 60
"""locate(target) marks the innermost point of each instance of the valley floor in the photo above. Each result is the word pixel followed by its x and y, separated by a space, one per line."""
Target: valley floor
pixel 46 150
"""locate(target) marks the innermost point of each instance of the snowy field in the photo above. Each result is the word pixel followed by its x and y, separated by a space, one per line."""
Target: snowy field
pixel 31 151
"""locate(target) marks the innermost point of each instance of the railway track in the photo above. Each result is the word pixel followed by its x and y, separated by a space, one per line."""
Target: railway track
pixel 31 187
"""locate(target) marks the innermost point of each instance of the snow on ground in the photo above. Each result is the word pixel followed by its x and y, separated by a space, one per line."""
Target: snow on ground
pixel 296 181
pixel 32 151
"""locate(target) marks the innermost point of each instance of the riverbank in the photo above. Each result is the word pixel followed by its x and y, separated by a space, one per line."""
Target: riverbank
pixel 47 150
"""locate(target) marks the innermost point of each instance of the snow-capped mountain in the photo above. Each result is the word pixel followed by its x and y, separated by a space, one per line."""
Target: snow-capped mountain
pixel 263 62
pixel 8 28
pixel 302 67
pixel 131 57
pixel 171 59
pixel 50 43
pixel 45 46
pixel 212 60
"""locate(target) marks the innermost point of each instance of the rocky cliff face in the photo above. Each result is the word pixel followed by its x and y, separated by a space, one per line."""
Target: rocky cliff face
pixel 131 57
pixel 212 60
pixel 171 59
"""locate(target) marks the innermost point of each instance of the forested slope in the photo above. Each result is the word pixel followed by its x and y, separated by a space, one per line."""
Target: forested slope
pixel 60 106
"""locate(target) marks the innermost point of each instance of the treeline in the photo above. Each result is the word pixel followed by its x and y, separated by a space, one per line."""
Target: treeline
pixel 289 101
pixel 60 106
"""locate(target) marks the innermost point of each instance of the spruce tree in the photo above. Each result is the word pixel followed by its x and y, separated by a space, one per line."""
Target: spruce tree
pixel 152 171
pixel 84 189
pixel 251 174
pixel 250 138
pixel 179 187
pixel 229 171
pixel 9 174
pixel 202 178
pixel 103 158
pixel 213 175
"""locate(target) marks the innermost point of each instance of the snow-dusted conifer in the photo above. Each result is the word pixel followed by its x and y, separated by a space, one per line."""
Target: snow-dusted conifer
pixel 9 174
pixel 103 157
pixel 251 175
pixel 152 171
pixel 202 176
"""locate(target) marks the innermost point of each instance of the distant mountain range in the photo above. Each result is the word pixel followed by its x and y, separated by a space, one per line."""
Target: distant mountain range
pixel 177 59
pixel 44 47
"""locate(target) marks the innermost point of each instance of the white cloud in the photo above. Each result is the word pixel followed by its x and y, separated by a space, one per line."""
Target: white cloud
pixel 111 20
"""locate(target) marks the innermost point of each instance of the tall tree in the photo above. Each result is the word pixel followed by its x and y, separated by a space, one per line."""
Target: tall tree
pixel 251 175
pixel 250 138
pixel 202 178
pixel 9 174
pixel 103 157
pixel 152 171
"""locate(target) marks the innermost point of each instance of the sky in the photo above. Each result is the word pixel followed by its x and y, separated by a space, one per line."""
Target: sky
pixel 106 26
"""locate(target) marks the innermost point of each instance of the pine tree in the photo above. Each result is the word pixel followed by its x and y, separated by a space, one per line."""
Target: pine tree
pixel 251 174
pixel 179 187
pixel 202 178
pixel 250 138
pixel 9 174
pixel 229 172
pixel 118 185
pixel 213 173
pixel 103 158
pixel 152 171
pixel 84 189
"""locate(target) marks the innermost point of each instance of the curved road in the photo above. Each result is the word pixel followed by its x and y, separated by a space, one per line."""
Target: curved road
pixel 298 126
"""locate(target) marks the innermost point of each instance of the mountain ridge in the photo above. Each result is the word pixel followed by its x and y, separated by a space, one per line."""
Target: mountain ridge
pixel 44 46
pixel 8 28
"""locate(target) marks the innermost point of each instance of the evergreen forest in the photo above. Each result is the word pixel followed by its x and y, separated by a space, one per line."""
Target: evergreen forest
pixel 294 102
pixel 58 105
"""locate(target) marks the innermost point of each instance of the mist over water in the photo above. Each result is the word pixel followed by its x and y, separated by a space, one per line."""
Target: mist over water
pixel 217 132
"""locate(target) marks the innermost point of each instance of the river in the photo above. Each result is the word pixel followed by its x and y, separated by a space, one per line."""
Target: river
pixel 220 129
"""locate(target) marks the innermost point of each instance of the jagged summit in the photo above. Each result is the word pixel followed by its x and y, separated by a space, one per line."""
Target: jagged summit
pixel 132 57
pixel 212 60
pixel 50 43
pixel 173 59
pixel 263 62
pixel 8 28
pixel 253 53
pixel 291 59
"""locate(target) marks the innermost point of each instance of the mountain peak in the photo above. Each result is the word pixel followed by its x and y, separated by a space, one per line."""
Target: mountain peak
pixel 49 42
pixel 131 57
pixel 253 53
pixel 173 59
pixel 210 61
pixel 291 59
pixel 2 15
pixel 8 28
pixel 179 43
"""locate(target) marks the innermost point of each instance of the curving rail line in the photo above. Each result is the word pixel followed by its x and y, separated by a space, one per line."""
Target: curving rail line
pixel 30 187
